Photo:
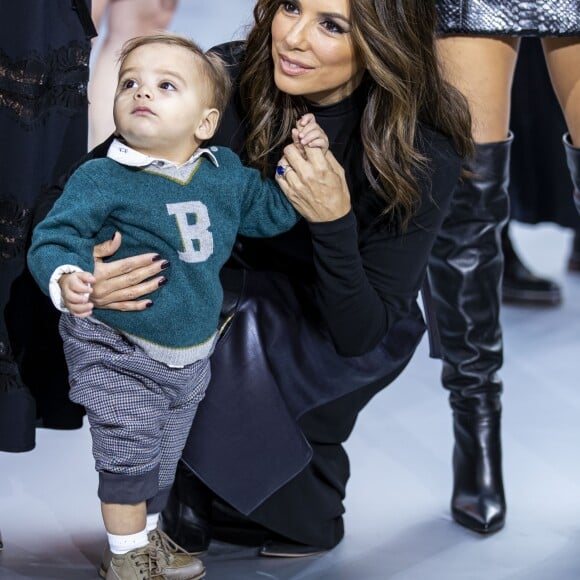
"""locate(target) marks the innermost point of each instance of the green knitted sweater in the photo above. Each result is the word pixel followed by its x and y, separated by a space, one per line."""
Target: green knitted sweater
pixel 192 224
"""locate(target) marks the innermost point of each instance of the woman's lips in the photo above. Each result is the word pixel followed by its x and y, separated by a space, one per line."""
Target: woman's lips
pixel 293 67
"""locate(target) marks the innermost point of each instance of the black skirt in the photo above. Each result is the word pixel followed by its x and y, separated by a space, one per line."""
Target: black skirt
pixel 268 436
pixel 509 17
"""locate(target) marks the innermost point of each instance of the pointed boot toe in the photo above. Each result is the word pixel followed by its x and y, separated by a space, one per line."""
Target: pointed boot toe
pixel 478 499
pixel 484 515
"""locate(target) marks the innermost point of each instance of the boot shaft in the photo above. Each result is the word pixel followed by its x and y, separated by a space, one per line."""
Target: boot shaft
pixel 482 194
pixel 573 160
pixel 466 268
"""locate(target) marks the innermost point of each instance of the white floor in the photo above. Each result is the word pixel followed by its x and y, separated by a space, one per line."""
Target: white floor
pixel 397 521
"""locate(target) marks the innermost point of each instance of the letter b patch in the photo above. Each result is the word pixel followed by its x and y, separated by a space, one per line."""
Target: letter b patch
pixel 196 237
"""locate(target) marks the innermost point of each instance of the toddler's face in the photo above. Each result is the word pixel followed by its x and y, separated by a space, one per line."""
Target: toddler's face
pixel 160 101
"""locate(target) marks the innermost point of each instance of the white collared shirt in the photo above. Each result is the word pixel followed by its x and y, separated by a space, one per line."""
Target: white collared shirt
pixel 122 153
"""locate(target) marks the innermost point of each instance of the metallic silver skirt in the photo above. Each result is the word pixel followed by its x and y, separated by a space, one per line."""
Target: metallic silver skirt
pixel 509 17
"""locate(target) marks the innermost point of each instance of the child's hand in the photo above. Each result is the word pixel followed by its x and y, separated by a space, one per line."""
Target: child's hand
pixel 76 289
pixel 308 133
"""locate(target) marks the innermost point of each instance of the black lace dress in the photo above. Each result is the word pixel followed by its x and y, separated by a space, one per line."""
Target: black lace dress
pixel 509 17
pixel 44 57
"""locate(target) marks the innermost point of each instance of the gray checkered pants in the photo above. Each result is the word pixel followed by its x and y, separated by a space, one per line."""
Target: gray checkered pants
pixel 140 410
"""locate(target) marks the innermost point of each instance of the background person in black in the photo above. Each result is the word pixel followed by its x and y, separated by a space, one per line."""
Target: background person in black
pixel 44 70
pixel 320 326
pixel 478 50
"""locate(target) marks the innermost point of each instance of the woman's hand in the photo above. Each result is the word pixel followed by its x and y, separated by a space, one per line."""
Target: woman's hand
pixel 314 183
pixel 118 285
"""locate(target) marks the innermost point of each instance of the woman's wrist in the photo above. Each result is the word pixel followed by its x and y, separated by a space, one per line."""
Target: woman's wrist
pixel 344 222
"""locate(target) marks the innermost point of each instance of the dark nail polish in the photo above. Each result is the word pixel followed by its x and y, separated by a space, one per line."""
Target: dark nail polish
pixel 156 258
pixel 165 265
pixel 162 282
pixel 149 304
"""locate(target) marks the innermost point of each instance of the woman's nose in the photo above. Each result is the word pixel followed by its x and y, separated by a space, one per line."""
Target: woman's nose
pixel 297 35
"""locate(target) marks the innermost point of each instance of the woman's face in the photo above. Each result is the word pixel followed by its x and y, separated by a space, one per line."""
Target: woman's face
pixel 313 51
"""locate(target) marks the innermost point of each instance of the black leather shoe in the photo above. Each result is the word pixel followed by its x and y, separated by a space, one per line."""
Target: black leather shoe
pixel 288 549
pixel 478 500
pixel 520 286
pixel 186 528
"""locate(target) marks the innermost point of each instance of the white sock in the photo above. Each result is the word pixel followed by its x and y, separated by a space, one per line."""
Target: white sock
pixel 124 544
pixel 152 521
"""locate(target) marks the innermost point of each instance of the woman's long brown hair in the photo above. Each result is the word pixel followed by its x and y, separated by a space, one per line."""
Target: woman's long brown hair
pixel 395 40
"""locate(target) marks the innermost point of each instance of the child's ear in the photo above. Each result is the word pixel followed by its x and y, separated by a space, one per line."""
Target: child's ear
pixel 208 125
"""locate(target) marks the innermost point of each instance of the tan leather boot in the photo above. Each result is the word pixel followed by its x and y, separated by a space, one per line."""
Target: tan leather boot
pixel 160 559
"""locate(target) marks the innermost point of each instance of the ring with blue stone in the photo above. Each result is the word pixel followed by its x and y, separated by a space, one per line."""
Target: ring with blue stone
pixel 281 170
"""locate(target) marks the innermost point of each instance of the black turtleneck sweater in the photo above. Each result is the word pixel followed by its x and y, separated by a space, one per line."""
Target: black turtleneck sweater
pixel 364 277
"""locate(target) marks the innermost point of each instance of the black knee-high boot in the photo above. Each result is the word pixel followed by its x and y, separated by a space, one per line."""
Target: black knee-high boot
pixel 573 160
pixel 466 272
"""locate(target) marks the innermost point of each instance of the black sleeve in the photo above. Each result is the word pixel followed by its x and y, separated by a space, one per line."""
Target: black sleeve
pixel 47 198
pixel 369 278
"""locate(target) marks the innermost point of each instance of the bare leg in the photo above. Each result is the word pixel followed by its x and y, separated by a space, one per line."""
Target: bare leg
pixel 563 60
pixel 482 69
pixel 124 519
pixel 125 19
